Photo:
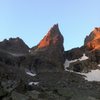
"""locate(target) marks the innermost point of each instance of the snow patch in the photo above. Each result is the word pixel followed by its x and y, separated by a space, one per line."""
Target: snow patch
pixel 28 72
pixel 33 83
pixel 31 74
pixel 84 57
pixel 99 65
pixel 94 75
pixel 16 54
pixel 29 50
pixel 67 62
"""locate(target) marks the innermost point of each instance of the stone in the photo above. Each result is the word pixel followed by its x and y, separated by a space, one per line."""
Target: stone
pixel 14 46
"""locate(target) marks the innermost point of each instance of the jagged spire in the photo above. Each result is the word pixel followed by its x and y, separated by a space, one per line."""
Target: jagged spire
pixel 53 37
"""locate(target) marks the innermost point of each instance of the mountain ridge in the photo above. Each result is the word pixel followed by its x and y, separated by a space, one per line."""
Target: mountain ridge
pixel 48 72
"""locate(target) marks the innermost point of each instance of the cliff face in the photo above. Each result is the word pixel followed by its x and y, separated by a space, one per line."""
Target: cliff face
pixel 92 42
pixel 90 49
pixel 53 38
pixel 51 50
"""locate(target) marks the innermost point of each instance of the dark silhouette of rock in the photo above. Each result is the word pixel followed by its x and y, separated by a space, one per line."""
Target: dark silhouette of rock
pixel 12 52
pixel 74 53
pixel 14 45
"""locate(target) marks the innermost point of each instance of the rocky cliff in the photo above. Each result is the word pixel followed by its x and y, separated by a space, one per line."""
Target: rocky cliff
pixel 92 42
pixel 91 50
pixel 14 45
pixel 47 72
pixel 50 51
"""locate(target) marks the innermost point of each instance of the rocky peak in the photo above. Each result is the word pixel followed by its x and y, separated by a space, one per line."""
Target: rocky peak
pixel 14 45
pixel 53 38
pixel 92 42
pixel 51 50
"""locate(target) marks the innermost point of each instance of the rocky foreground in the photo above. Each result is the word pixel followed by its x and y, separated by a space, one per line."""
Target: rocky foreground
pixel 47 72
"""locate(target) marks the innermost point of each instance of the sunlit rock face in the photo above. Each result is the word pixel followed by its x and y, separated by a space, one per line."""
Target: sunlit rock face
pixel 53 38
pixel 92 42
pixel 50 51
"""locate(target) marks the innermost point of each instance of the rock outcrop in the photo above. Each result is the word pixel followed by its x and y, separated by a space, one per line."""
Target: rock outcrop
pixel 12 52
pixel 91 49
pixel 14 45
pixel 52 39
pixel 74 53
pixel 92 45
pixel 92 42
pixel 50 51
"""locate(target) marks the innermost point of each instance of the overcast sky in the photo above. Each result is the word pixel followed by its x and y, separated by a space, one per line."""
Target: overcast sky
pixel 31 19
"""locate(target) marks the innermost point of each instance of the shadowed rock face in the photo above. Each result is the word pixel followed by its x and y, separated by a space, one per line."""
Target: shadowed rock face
pixel 74 53
pixel 14 45
pixel 50 50
pixel 92 42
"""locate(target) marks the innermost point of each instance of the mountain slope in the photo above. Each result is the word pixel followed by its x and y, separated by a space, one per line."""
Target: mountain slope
pixel 47 72
pixel 50 51
pixel 14 45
